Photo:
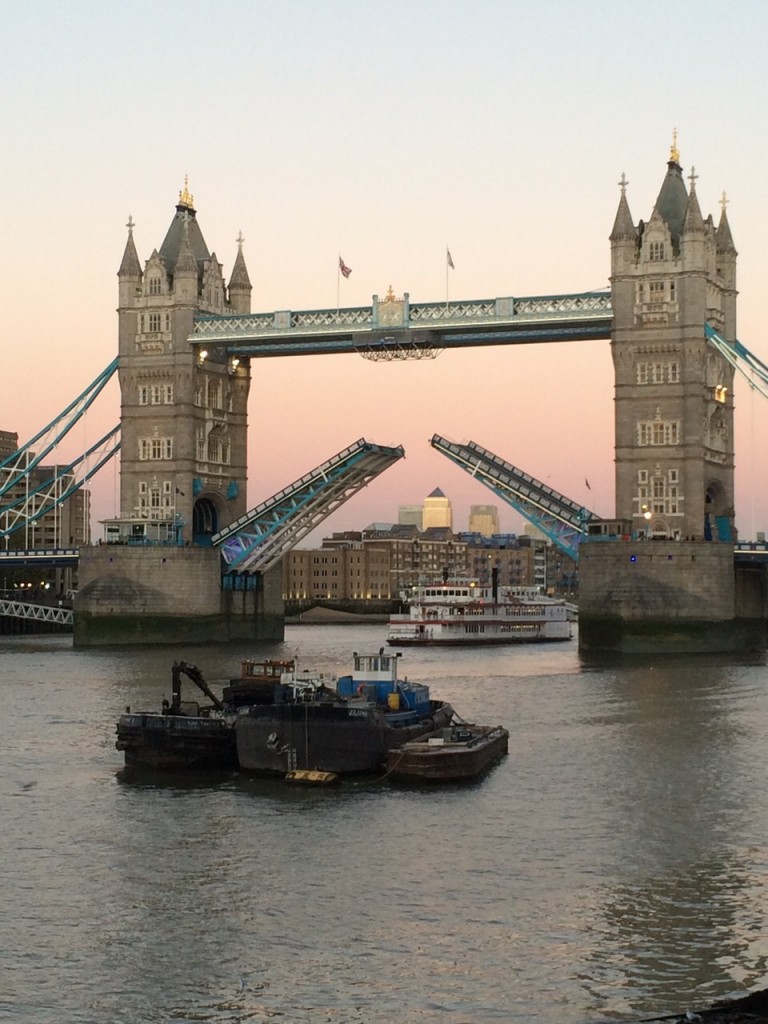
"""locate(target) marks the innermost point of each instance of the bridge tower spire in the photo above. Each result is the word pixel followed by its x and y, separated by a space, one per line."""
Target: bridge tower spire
pixel 673 392
pixel 183 410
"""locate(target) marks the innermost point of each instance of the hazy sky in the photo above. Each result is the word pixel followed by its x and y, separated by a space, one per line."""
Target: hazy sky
pixel 382 131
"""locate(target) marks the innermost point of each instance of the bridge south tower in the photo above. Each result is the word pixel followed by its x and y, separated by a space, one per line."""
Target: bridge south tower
pixel 183 410
pixel 670 582
pixel 673 391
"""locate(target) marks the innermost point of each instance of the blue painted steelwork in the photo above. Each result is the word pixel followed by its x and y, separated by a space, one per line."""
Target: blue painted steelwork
pixel 21 462
pixel 754 371
pixel 396 329
pixel 563 521
pixel 260 538
pixel 56 489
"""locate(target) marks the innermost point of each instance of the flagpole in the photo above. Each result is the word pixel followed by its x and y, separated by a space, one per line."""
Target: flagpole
pixel 446 277
pixel 338 285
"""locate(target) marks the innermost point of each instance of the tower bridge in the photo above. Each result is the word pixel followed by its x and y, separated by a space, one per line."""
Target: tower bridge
pixel 187 340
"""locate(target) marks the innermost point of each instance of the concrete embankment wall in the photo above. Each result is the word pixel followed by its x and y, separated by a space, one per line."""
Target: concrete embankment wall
pixel 666 596
pixel 169 595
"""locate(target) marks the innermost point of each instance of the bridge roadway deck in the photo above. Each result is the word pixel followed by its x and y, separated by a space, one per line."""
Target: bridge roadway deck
pixel 59 558
pixel 395 328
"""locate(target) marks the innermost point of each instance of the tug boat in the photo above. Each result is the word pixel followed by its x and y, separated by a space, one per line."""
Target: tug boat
pixel 462 611
pixel 314 725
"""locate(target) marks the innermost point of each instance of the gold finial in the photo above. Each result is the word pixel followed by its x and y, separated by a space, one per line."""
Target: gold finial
pixel 390 297
pixel 240 240
pixel 623 183
pixel 131 223
pixel 185 199
pixel 674 152
pixel 723 202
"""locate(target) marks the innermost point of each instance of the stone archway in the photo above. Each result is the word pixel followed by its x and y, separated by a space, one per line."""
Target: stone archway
pixel 718 516
pixel 205 521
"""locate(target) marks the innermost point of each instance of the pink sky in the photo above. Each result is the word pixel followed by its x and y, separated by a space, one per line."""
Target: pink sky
pixel 382 133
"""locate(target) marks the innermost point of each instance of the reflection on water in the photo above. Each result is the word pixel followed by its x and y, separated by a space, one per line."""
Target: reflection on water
pixel 613 866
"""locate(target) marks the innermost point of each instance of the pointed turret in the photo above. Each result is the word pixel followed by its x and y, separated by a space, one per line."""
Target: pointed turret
pixel 672 201
pixel 723 235
pixel 240 287
pixel 623 225
pixel 129 273
pixel 693 222
pixel 130 266
pixel 185 215
pixel 726 264
pixel 624 236
pixel 185 275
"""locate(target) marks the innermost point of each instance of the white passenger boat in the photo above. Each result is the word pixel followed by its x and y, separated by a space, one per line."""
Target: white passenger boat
pixel 461 611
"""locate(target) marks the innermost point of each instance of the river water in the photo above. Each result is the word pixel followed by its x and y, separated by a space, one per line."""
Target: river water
pixel 614 866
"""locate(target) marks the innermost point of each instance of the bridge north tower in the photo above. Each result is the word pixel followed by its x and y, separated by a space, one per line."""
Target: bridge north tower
pixel 673 391
pixel 183 410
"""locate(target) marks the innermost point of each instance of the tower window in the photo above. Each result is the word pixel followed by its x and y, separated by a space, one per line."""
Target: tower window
pixel 214 394
pixel 656 251
pixel 156 394
pixel 154 286
pixel 155 448
pixel 154 323
pixel 658 432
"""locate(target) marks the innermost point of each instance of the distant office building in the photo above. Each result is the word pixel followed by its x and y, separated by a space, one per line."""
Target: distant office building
pixel 518 561
pixel 338 571
pixel 377 563
pixel 410 515
pixel 9 443
pixel 484 519
pixel 437 510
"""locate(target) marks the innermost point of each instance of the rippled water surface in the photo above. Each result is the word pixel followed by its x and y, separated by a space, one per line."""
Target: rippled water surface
pixel 614 866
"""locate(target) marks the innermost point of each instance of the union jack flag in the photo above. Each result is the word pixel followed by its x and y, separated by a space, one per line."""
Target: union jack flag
pixel 346 271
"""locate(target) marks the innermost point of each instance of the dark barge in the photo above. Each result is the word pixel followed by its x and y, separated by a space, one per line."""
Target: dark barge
pixel 452 754
pixel 182 735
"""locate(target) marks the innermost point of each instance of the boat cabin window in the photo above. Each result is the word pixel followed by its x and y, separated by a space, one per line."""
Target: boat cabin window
pixel 373 662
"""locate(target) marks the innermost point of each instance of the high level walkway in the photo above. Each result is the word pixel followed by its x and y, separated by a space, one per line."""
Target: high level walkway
pixel 395 328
